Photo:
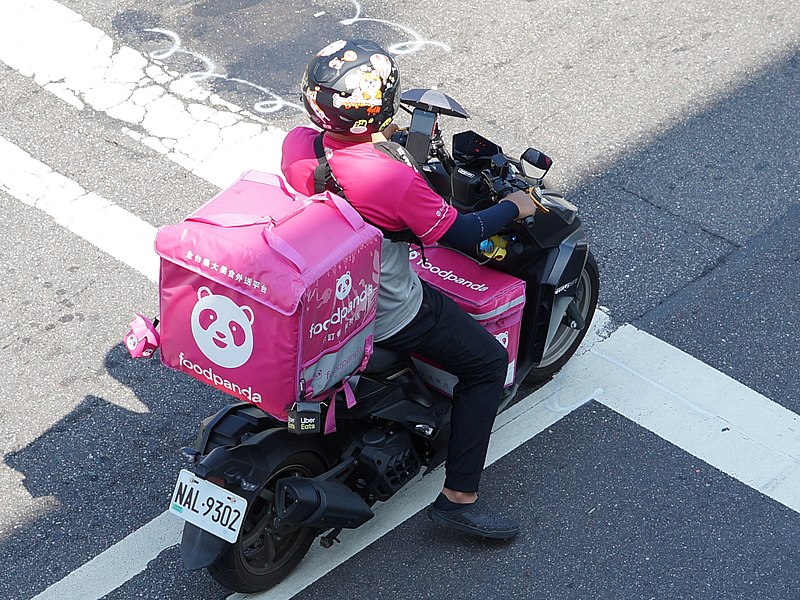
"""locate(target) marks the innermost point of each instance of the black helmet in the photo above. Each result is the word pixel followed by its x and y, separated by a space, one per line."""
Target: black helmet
pixel 351 86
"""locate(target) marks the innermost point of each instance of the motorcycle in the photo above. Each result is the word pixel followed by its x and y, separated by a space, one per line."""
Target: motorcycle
pixel 259 494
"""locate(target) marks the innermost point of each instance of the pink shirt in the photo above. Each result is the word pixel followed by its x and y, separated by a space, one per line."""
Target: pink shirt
pixel 386 192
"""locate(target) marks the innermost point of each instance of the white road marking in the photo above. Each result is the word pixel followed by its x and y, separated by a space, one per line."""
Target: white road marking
pixel 210 137
pixel 700 410
pixel 120 563
pixel 100 222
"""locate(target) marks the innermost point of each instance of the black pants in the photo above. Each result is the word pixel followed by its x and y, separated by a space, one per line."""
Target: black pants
pixel 446 335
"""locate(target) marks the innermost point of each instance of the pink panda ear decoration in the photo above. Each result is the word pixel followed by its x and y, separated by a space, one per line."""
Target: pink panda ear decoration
pixel 142 338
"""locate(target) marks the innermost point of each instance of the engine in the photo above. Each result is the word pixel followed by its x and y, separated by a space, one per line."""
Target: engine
pixel 386 461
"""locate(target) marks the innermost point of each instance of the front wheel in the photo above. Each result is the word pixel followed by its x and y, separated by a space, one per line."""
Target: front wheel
pixel 265 553
pixel 566 340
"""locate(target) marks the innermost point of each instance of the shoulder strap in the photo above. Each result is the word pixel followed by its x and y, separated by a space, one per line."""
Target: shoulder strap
pixel 323 175
pixel 324 179
pixel 397 152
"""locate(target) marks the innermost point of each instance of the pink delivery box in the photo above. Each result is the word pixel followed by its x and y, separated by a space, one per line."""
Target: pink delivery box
pixel 268 295
pixel 492 298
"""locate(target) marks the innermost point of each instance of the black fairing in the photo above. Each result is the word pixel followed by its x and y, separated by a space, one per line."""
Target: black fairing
pixel 199 548
pixel 230 425
pixel 252 461
pixel 386 462
pixel 255 459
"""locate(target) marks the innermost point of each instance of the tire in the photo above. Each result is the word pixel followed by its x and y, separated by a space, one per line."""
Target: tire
pixel 263 555
pixel 566 340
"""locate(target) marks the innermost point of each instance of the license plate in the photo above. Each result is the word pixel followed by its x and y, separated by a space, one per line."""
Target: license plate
pixel 208 506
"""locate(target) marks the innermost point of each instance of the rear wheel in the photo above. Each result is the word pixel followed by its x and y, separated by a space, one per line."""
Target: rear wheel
pixel 567 339
pixel 265 553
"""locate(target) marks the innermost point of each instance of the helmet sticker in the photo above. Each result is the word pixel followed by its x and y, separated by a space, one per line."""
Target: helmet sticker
pixel 331 48
pixel 311 96
pixel 360 126
pixel 351 86
pixel 367 84
pixel 336 63
pixel 382 65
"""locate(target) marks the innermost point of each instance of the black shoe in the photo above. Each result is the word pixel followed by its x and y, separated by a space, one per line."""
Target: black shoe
pixel 472 518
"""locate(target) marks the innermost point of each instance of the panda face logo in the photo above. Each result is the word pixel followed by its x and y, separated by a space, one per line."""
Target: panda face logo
pixel 131 342
pixel 503 339
pixel 343 286
pixel 222 330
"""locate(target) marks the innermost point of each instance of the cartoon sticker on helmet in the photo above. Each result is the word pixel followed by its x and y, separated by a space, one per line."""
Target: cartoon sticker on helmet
pixel 332 47
pixel 367 84
pixel 349 55
pixel 311 98
pixel 360 126
pixel 382 64
pixel 336 63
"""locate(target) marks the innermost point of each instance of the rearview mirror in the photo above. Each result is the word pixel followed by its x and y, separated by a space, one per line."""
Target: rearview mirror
pixel 535 163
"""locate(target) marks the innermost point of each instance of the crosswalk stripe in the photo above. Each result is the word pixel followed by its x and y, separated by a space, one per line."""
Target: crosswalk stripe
pixel 175 116
pixel 100 222
pixel 701 410
pixel 118 564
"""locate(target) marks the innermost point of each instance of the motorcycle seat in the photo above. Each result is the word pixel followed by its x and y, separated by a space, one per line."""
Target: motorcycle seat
pixel 383 361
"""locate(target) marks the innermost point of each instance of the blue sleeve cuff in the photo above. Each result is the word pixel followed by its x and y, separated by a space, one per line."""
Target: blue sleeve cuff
pixel 467 230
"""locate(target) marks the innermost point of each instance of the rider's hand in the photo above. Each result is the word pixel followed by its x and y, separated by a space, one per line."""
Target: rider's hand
pixel 525 204
pixel 386 133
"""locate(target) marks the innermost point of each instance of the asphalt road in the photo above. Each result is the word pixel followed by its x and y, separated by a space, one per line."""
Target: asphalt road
pixel 674 127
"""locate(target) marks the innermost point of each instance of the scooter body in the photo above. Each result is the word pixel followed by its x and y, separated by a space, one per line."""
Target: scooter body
pixel 297 487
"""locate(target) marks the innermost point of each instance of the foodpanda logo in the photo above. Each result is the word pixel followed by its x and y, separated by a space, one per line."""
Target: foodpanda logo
pixel 446 274
pixel 222 330
pixel 131 342
pixel 503 339
pixel 344 313
pixel 343 286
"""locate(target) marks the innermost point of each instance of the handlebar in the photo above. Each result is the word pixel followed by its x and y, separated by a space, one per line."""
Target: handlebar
pixel 501 177
pixel 440 152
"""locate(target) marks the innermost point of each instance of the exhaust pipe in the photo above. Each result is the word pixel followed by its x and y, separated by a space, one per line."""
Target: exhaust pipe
pixel 310 502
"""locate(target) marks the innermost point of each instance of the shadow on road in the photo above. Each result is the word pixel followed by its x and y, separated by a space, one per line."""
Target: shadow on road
pixel 109 469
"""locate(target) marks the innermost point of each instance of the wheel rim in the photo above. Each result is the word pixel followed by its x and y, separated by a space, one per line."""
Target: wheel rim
pixel 565 335
pixel 265 548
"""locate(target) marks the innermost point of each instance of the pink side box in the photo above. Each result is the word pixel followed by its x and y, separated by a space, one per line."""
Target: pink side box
pixel 492 298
